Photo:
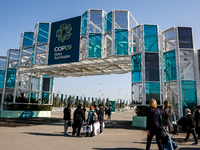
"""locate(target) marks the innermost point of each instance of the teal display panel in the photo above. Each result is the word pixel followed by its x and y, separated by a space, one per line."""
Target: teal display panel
pixel 64 41
pixel 10 78
pixel 45 98
pixel 150 38
pixel 112 106
pixel 189 95
pixel 28 39
pixel 43 33
pixel 121 42
pixel 170 66
pixel 94 45
pixel 136 68
pixel 84 24
pixel 108 22
pixel 2 75
pixel 152 91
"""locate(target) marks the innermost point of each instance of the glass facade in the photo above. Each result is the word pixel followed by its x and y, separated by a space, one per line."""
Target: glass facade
pixel 150 38
pixel 28 38
pixel 137 40
pixel 169 40
pixel 170 66
pixel 43 33
pixel 108 22
pixel 46 84
pixel 94 45
pixel 121 21
pixel 137 93
pixel 121 42
pixel 189 95
pixel 185 37
pixel 152 91
pixel 136 68
pixel 108 44
pixel 84 24
pixel 151 67
pixel 2 75
pixel 95 21
pixel 11 77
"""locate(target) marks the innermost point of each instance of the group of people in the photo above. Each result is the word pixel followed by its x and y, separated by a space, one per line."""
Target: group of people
pixel 94 115
pixel 156 119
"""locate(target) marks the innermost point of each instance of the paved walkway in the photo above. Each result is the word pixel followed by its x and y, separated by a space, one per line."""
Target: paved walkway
pixel 118 135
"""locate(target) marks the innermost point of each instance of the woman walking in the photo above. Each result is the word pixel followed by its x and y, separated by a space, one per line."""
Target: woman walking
pixel 168 114
pixel 153 125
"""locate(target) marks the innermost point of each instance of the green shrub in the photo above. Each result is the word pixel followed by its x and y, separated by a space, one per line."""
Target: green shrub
pixel 27 107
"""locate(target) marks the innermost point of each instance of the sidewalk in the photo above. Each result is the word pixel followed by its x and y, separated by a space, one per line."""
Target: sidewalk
pixel 118 135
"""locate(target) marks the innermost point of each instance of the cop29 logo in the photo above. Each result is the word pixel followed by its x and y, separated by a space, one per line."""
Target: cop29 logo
pixel 64 32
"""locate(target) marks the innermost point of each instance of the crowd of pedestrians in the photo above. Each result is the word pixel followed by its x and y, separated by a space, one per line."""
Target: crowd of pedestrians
pixel 158 119
pixel 94 115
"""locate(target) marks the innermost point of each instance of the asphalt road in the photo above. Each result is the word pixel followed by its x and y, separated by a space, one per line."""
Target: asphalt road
pixel 41 134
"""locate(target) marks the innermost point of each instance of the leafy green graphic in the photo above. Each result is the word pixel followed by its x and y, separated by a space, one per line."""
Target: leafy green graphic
pixel 64 33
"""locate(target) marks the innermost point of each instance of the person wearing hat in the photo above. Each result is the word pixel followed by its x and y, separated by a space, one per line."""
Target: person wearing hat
pixel 67 118
pixel 90 120
pixel 101 117
pixel 190 126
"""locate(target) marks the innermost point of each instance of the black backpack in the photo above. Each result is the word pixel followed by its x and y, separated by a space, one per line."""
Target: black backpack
pixel 183 123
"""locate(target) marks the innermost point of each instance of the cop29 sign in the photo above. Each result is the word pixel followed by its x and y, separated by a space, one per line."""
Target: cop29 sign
pixel 64 41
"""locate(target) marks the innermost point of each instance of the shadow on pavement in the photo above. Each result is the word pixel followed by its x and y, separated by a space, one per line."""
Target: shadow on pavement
pixel 117 148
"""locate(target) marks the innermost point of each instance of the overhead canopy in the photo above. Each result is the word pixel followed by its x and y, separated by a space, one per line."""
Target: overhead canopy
pixel 117 64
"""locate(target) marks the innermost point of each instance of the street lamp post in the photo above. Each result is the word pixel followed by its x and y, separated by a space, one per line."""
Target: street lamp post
pixel 100 90
pixel 119 94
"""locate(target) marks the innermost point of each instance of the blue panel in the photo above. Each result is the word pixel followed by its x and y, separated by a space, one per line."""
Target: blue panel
pixel 28 39
pixel 76 100
pixel 43 33
pixel 61 98
pixel 108 22
pixel 81 101
pixel 150 38
pixel 69 99
pixel 121 42
pixel 51 84
pixel 11 77
pixel 33 95
pixel 152 91
pixel 2 75
pixel 170 66
pixel 189 95
pixel 33 53
pixel 84 24
pixel 94 45
pixel 96 101
pixel 136 68
pixel 92 101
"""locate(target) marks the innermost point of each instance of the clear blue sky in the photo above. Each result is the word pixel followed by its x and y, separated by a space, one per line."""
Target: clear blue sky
pixel 17 16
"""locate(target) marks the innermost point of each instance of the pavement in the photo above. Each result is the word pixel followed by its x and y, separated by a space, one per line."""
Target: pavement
pixel 47 134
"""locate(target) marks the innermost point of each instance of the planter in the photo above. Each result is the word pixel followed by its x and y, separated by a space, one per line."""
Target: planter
pixel 139 121
pixel 24 114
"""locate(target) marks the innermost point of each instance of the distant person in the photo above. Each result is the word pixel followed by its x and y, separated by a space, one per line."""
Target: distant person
pixel 67 118
pixel 153 124
pixel 106 111
pixel 191 124
pixel 78 120
pixel 95 109
pixel 90 120
pixel 109 113
pixel 197 119
pixel 101 117
pixel 84 110
pixel 168 115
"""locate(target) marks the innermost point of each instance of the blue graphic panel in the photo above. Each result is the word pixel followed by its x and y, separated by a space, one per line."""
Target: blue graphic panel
pixel 136 68
pixel 43 33
pixel 28 39
pixel 121 42
pixel 108 22
pixel 11 77
pixel 189 95
pixel 84 24
pixel 150 38
pixel 2 75
pixel 64 41
pixel 94 45
pixel 152 91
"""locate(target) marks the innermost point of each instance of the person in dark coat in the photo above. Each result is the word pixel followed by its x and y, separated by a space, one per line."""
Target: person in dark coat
pixel 191 124
pixel 153 125
pixel 168 115
pixel 197 119
pixel 101 117
pixel 78 120
pixel 67 118
pixel 109 113
pixel 106 111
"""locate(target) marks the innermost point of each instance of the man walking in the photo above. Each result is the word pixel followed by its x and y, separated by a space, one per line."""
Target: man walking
pixel 78 120
pixel 101 117
pixel 67 118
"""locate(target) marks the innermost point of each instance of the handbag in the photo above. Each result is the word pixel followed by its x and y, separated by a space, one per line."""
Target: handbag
pixel 164 128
